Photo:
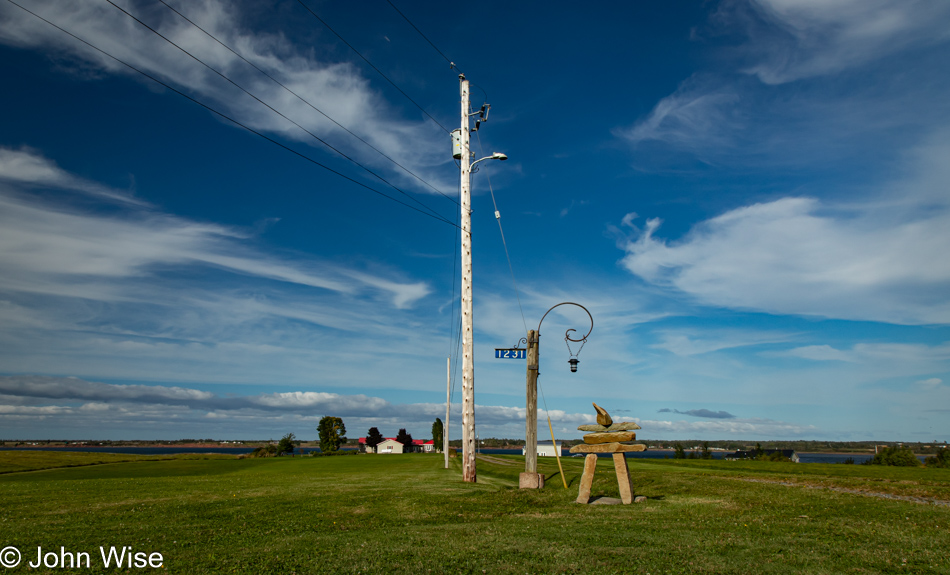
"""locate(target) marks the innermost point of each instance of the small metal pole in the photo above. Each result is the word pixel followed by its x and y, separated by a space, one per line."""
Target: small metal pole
pixel 448 398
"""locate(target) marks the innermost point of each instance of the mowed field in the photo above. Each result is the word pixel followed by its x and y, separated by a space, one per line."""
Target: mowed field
pixel 406 514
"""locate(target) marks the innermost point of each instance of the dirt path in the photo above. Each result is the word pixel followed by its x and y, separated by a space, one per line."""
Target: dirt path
pixel 496 461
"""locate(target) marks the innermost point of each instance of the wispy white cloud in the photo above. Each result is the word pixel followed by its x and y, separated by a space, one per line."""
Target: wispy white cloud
pixel 56 250
pixel 338 88
pixel 819 353
pixel 810 85
pixel 871 353
pixel 880 260
pixel 139 294
pixel 794 39
pixel 78 403
pixel 27 167
pixel 693 342
pixel 699 115
pixel 738 428
pixel 930 382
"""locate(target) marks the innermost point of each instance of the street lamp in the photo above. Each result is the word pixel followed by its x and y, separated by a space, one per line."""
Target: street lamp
pixel 494 156
pixel 530 478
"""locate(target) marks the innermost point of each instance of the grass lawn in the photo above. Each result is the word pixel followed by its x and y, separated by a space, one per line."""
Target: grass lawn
pixel 405 514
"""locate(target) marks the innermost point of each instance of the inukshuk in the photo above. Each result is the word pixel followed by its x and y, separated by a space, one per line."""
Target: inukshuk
pixel 607 437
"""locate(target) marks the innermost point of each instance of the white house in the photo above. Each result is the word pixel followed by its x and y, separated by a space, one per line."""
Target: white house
pixel 424 446
pixel 546 448
pixel 389 446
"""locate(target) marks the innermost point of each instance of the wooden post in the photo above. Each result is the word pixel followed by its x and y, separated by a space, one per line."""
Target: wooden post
pixel 531 411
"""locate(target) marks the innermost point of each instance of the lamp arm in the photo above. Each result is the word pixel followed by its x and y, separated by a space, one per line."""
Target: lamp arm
pixel 567 334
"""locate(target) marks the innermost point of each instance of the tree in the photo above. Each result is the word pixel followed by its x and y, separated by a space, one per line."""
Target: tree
pixel 706 454
pixel 942 459
pixel 373 438
pixel 897 456
pixel 287 444
pixel 405 439
pixel 437 430
pixel 331 431
pixel 678 452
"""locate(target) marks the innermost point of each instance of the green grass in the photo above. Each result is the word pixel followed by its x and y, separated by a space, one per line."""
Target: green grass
pixel 18 461
pixel 405 514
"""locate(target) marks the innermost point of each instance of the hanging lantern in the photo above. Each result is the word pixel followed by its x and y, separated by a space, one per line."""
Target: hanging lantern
pixel 573 361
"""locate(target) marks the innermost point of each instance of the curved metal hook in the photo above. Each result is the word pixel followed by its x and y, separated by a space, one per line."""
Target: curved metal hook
pixel 523 340
pixel 567 334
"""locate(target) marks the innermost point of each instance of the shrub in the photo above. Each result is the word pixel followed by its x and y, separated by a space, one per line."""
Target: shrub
pixel 269 450
pixel 895 456
pixel 774 456
pixel 941 460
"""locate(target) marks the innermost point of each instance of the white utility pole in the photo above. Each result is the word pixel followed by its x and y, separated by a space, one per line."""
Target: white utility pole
pixel 448 397
pixel 468 359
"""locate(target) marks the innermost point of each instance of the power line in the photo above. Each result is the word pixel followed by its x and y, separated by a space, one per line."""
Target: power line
pixel 434 47
pixel 503 242
pixel 271 108
pixel 371 65
pixel 230 119
pixel 451 63
pixel 305 101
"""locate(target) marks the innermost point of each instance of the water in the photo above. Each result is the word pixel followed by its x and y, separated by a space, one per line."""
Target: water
pixel 153 450
pixel 649 454
pixel 667 454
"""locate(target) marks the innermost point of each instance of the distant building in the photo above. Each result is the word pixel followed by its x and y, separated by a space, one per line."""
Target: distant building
pixel 390 445
pixel 754 453
pixel 546 448
pixel 421 445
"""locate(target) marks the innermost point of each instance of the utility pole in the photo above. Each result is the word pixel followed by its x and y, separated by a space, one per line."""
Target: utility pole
pixel 448 397
pixel 468 365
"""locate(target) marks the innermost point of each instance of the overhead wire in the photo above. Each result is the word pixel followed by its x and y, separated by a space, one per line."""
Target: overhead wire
pixel 517 291
pixel 510 268
pixel 271 108
pixel 307 102
pixel 373 66
pixel 232 120
pixel 504 243
pixel 451 63
pixel 455 333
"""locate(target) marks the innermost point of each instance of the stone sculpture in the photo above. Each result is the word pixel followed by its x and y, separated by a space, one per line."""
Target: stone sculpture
pixel 607 437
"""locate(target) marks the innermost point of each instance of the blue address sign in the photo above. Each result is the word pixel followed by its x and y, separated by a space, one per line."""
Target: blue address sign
pixel 511 353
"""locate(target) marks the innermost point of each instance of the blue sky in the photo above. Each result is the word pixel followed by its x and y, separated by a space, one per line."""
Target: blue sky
pixel 749 196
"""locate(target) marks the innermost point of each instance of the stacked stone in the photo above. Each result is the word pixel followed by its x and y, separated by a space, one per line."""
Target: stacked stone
pixel 608 437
